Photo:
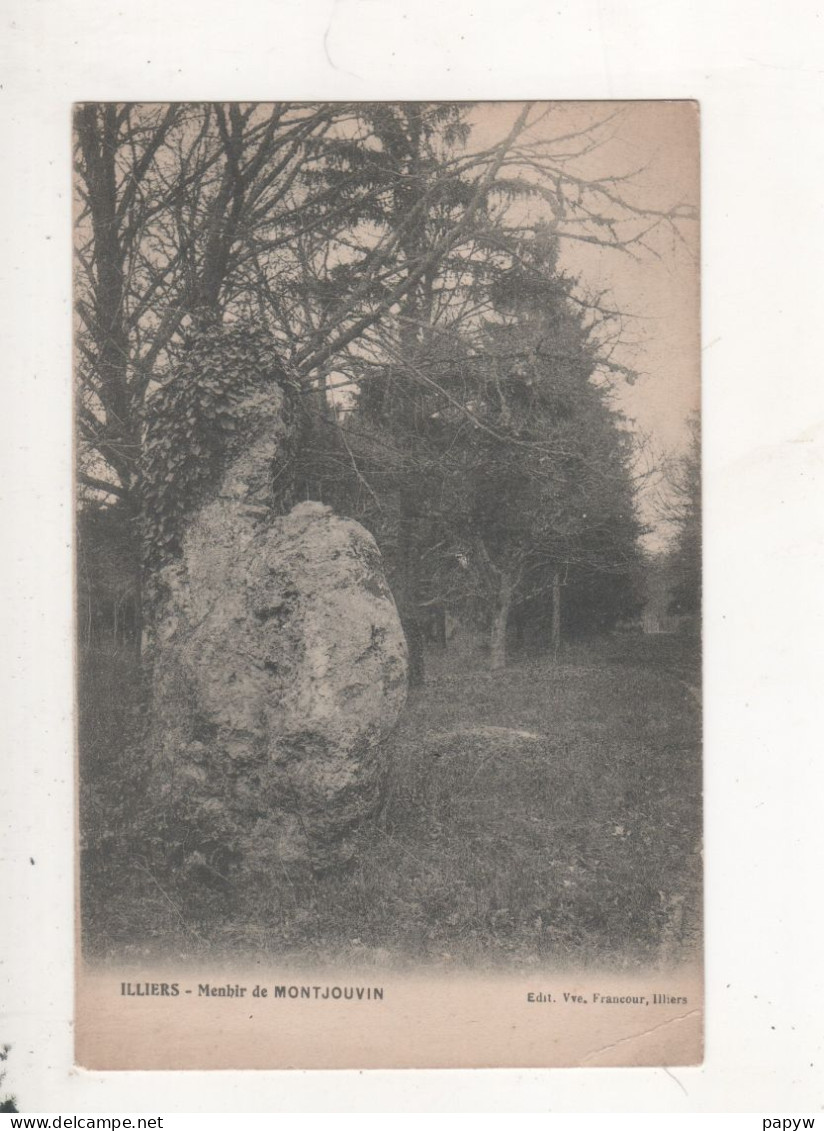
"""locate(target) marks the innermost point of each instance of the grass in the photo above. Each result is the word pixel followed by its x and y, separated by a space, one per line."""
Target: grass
pixel 575 845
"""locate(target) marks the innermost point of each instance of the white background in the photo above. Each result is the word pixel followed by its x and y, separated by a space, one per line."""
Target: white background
pixel 756 68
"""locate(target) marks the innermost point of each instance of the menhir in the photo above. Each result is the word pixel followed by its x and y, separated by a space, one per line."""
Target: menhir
pixel 278 669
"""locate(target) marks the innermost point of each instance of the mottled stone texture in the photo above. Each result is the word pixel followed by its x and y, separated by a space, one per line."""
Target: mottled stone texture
pixel 278 669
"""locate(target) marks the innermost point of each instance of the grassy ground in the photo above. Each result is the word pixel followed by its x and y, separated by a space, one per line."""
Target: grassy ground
pixel 574 841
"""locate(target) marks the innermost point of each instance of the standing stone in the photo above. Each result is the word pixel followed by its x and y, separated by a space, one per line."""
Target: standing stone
pixel 278 670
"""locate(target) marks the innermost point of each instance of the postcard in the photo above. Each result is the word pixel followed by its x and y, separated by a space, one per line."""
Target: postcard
pixel 388 585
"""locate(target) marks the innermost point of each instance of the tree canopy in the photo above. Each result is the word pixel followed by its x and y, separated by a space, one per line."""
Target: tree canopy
pixel 457 384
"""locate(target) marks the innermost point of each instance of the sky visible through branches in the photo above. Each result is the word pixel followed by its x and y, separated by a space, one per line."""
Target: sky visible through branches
pixel 654 145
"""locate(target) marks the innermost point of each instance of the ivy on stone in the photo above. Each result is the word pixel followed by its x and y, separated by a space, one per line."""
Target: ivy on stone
pixel 192 425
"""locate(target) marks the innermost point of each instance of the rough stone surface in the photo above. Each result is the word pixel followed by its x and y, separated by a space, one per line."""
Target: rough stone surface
pixel 279 667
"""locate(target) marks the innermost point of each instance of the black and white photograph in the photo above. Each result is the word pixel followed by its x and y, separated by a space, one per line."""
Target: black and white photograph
pixel 388 583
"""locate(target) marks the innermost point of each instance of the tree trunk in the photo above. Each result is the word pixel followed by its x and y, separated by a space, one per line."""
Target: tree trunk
pixel 556 612
pixel 414 642
pixel 118 438
pixel 408 596
pixel 500 621
pixel 519 630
